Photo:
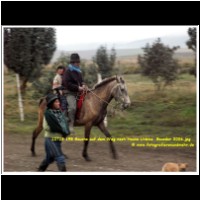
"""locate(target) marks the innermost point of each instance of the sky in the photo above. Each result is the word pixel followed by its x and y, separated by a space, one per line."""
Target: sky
pixel 72 36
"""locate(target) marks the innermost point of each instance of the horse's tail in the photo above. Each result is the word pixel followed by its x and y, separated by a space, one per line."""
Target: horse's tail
pixel 41 100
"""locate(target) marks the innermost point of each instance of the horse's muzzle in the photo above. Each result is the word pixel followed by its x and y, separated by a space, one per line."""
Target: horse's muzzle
pixel 125 105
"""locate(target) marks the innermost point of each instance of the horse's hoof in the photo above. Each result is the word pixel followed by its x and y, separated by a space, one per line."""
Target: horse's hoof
pixel 87 159
pixel 115 157
pixel 33 154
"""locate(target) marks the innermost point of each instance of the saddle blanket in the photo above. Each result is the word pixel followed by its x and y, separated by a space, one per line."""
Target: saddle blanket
pixel 79 105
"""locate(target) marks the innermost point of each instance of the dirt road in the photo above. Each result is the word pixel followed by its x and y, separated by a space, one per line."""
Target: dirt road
pixel 17 156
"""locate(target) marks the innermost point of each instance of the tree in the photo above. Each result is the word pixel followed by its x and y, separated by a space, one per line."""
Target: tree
pixel 43 85
pixel 191 43
pixel 63 59
pixel 27 50
pixel 90 74
pixel 105 62
pixel 113 56
pixel 158 64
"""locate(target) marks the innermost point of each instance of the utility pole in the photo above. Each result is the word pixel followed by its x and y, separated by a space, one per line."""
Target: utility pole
pixel 21 108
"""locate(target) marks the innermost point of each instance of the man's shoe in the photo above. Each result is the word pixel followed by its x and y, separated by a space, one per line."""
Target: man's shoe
pixel 43 166
pixel 62 168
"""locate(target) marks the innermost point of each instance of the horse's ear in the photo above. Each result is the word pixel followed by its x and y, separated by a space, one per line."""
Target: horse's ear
pixel 122 80
pixel 117 79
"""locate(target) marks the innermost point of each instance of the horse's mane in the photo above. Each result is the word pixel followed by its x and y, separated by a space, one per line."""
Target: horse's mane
pixel 104 81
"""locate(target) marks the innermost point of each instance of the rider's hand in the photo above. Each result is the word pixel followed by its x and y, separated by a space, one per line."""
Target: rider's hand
pixel 85 87
pixel 80 89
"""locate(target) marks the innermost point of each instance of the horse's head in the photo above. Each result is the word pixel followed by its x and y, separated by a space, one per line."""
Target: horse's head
pixel 120 93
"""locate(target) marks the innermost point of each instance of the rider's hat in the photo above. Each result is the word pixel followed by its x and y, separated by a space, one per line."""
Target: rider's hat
pixel 74 58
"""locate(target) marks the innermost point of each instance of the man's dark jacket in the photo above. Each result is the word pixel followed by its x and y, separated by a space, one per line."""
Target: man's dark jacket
pixel 71 80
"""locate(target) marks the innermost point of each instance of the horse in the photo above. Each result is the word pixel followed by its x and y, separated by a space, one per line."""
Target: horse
pixel 93 111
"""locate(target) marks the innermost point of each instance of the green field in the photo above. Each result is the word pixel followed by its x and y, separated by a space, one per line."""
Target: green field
pixel 167 113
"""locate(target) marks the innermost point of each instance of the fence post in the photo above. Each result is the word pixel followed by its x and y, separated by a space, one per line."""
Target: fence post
pixel 21 108
pixel 99 79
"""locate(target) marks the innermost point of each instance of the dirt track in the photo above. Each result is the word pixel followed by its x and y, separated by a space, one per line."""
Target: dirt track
pixel 17 157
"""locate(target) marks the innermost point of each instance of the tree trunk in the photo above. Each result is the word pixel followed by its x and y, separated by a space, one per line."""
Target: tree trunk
pixel 157 86
pixel 23 84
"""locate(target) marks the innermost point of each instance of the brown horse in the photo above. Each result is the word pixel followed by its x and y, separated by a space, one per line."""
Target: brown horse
pixel 94 110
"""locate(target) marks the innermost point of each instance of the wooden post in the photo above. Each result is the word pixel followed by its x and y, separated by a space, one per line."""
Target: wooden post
pixel 21 108
pixel 99 79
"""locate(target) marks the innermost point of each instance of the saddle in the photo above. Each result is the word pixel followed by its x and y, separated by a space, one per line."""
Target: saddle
pixel 80 104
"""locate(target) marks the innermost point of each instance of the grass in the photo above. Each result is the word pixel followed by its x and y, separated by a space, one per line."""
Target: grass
pixel 169 113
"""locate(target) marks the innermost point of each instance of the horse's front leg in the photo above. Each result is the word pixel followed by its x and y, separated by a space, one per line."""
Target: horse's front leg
pixel 102 127
pixel 86 142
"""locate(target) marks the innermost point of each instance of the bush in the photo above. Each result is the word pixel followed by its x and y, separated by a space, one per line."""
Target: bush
pixel 158 63
pixel 90 74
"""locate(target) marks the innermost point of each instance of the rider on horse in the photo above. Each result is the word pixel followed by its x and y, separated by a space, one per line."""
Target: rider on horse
pixel 57 81
pixel 73 83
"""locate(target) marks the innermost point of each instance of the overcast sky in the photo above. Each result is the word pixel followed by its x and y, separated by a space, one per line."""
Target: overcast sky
pixel 73 35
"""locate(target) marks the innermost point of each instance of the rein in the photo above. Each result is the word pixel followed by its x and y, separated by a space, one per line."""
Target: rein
pixel 102 100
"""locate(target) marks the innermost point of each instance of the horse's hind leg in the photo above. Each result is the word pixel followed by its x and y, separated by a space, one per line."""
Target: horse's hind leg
pixel 102 127
pixel 39 128
pixel 36 132
pixel 86 142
